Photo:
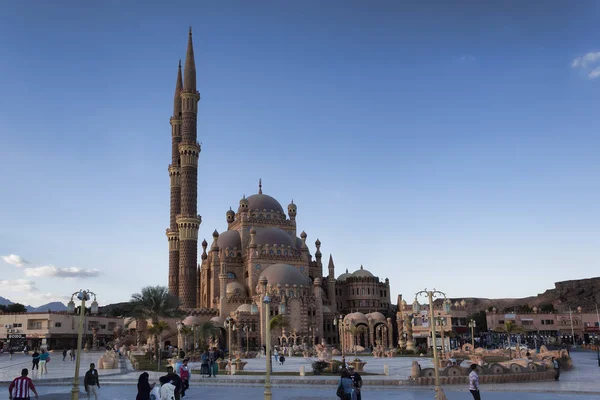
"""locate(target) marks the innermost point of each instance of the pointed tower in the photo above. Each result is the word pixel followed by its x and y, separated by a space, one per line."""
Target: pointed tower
pixel 331 285
pixel 174 176
pixel 188 221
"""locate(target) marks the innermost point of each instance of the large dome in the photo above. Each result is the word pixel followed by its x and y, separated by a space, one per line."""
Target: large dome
pixel 376 317
pixel 284 274
pixel 362 273
pixel 263 202
pixel 272 235
pixel 229 239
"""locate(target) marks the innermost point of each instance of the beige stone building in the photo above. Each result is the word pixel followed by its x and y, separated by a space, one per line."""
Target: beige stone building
pixel 260 253
pixel 55 330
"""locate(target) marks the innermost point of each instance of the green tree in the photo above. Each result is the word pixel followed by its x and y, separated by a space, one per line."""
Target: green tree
pixel 547 308
pixel 186 332
pixel 156 330
pixel 16 308
pixel 510 328
pixel 206 331
pixel 155 303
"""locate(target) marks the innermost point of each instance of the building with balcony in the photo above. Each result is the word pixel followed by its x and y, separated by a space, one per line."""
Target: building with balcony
pixel 55 330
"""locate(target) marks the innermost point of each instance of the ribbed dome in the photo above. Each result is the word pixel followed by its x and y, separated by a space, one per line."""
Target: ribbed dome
pixel 229 239
pixel 356 318
pixel 284 274
pixel 361 273
pixel 233 286
pixel 263 202
pixel 217 321
pixel 271 236
pixel 377 317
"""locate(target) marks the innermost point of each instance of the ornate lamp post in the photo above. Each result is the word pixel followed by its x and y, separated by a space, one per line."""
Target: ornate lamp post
pixel 340 324
pixel 472 325
pixel 267 302
pixel 441 321
pixel 82 295
pixel 229 324
pixel 247 329
pixel 439 393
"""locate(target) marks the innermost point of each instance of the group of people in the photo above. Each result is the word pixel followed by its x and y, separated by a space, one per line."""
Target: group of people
pixel 172 385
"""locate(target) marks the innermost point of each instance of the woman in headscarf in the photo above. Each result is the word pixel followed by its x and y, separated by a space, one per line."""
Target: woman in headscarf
pixel 144 387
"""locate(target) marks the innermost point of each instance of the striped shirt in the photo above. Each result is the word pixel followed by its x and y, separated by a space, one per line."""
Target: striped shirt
pixel 473 381
pixel 19 388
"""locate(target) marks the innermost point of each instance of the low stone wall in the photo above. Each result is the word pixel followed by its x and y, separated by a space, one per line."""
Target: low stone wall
pixel 501 378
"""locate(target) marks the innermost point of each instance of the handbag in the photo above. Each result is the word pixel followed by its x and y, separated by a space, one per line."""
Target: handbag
pixel 340 390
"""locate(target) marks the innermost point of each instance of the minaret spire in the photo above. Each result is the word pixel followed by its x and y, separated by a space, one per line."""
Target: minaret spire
pixel 190 65
pixel 259 186
pixel 178 89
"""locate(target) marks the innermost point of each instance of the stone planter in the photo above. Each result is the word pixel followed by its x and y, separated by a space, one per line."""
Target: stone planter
pixel 222 365
pixel 239 365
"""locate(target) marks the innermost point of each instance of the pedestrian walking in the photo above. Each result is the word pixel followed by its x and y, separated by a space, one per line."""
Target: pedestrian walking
pixel 91 382
pixel 144 387
pixel 10 353
pixel 356 383
pixel 276 355
pixel 344 390
pixel 19 388
pixel 281 359
pixel 211 363
pixel 35 360
pixel 184 374
pixel 64 354
pixel 474 382
pixel 44 360
pixel 556 366
pixel 72 353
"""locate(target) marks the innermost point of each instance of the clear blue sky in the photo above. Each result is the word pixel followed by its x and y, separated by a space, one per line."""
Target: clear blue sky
pixel 450 144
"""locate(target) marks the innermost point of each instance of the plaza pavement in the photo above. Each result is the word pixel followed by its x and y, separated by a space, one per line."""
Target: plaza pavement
pixel 580 383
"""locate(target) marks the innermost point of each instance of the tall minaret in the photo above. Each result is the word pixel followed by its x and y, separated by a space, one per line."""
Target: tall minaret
pixel 174 174
pixel 331 285
pixel 188 221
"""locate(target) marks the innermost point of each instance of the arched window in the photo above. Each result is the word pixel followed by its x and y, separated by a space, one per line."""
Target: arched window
pixel 230 275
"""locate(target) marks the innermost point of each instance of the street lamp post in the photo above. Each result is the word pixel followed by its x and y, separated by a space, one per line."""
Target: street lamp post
pixel 267 302
pixel 472 325
pixel 439 393
pixel 442 323
pixel 247 329
pixel 229 325
pixel 82 295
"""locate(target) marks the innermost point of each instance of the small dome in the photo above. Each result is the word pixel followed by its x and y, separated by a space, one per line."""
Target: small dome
pixel 271 236
pixel 230 239
pixel 377 317
pixel 264 202
pixel 244 202
pixel 204 243
pixel 356 318
pixel 361 273
pixel 303 235
pixel 192 320
pixel 233 286
pixel 244 308
pixel 317 281
pixel 217 321
pixel 284 274
pixel 326 310
pixel 344 276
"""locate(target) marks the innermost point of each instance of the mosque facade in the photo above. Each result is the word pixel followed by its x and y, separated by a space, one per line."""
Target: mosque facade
pixel 261 253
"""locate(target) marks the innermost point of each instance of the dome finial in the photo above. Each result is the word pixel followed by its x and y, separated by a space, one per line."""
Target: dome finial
pixel 259 186
pixel 361 267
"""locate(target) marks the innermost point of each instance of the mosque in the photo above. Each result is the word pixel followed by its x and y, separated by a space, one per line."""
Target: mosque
pixel 260 253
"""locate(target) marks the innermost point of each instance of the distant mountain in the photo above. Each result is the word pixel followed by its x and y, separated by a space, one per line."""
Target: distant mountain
pixel 53 306
pixel 5 302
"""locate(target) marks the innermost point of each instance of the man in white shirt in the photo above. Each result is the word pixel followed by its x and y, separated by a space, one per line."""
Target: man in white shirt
pixel 474 382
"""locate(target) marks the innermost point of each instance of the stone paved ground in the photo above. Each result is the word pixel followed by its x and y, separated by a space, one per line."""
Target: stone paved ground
pixel 584 378
pixel 128 393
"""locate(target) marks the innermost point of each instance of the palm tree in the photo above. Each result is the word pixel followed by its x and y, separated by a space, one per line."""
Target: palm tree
pixel 510 328
pixel 155 303
pixel 186 332
pixel 157 330
pixel 206 331
pixel 277 322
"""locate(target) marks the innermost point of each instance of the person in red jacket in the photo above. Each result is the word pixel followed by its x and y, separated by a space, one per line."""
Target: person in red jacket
pixel 19 388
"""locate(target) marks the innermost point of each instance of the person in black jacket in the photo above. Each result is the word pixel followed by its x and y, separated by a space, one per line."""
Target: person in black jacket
pixel 91 382
pixel 144 387
pixel 174 379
